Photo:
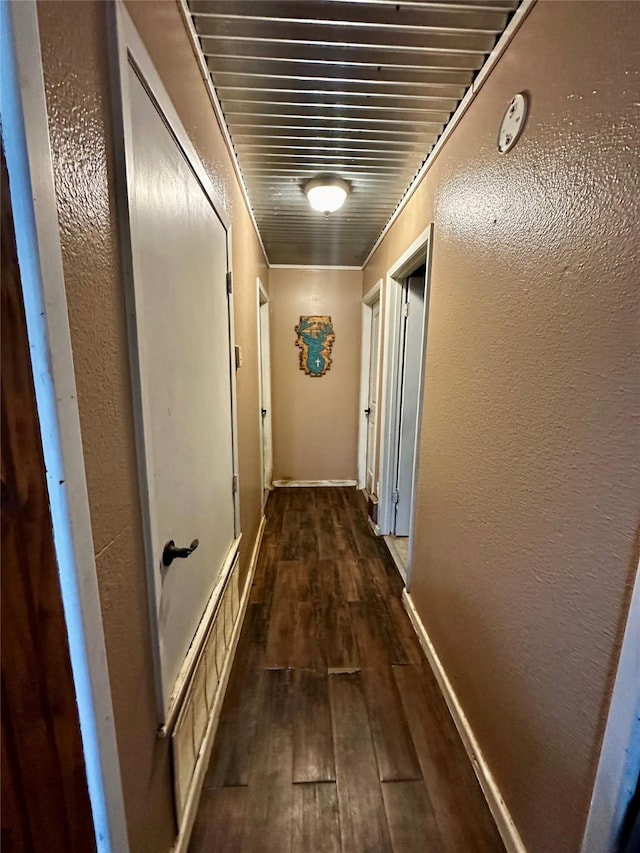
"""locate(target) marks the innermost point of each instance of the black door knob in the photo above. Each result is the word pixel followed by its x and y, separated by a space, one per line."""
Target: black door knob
pixel 367 412
pixel 171 553
pixel 264 412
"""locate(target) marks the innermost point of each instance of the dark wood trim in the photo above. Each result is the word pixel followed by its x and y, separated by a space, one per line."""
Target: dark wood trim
pixel 45 800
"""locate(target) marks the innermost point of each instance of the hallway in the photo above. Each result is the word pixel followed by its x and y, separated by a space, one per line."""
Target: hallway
pixel 334 735
pixel 172 258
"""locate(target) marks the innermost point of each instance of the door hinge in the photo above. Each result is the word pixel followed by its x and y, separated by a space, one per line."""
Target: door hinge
pixel 405 309
pixel 234 486
pixel 229 282
pixel 395 497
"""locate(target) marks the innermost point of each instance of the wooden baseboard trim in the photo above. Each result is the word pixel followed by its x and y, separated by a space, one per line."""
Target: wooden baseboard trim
pixel 254 556
pixel 506 827
pixel 182 841
pixel 287 484
pixel 197 644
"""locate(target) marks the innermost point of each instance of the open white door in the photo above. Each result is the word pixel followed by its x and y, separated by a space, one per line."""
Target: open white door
pixel 264 354
pixel 372 402
pixel 410 369
pixel 369 384
pixel 405 336
pixel 181 346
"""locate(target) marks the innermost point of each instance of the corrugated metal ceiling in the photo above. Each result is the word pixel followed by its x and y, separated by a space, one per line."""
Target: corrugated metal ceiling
pixel 361 89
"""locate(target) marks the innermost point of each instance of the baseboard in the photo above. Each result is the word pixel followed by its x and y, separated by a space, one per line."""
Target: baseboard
pixel 197 644
pixel 182 841
pixel 255 554
pixel 281 484
pixel 497 805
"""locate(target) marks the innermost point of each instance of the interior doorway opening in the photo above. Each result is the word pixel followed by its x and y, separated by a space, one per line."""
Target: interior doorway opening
pixel 369 392
pixel 408 388
pixel 406 314
pixel 264 356
pixel 409 364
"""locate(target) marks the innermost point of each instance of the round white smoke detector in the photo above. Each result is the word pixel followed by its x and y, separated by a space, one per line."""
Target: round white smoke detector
pixel 512 123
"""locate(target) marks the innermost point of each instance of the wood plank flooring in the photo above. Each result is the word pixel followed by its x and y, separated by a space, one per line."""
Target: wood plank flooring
pixel 334 737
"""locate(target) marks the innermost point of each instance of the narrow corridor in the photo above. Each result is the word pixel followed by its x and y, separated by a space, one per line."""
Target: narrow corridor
pixel 334 735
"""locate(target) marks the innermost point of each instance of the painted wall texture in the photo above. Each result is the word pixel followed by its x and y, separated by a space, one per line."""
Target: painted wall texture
pixel 75 55
pixel 527 510
pixel 315 419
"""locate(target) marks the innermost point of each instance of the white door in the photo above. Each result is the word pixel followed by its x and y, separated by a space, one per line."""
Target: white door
pixel 372 402
pixel 265 395
pixel 182 331
pixel 410 370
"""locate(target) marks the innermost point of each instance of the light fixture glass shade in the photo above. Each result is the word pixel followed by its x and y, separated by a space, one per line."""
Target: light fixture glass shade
pixel 327 194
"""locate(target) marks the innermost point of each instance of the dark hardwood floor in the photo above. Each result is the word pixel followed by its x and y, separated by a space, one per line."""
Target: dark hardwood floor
pixel 334 736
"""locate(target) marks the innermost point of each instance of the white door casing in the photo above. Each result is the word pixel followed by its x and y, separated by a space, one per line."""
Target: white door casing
pixel 264 356
pixel 27 147
pixel 368 301
pixel 409 389
pixel 181 331
pixel 417 253
pixel 619 760
pixel 372 401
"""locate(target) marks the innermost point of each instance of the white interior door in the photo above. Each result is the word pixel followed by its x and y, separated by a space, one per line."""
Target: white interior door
pixel 372 402
pixel 410 371
pixel 265 397
pixel 182 334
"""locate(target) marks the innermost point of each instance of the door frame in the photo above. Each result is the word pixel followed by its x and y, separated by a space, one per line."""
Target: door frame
pixel 127 49
pixel 368 301
pixel 37 681
pixel 33 200
pixel 264 394
pixel 420 251
pixel 619 760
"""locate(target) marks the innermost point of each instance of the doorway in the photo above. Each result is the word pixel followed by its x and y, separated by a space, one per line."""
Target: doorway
pixel 406 311
pixel 60 656
pixel 264 356
pixel 371 412
pixel 369 391
pixel 41 740
pixel 409 366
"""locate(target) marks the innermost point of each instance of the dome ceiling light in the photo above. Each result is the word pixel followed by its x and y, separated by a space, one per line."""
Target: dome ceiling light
pixel 327 193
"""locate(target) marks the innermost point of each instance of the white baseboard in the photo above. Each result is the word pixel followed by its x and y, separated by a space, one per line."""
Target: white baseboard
pixel 254 555
pixel 497 805
pixel 197 644
pixel 280 484
pixel 182 841
pixel 373 526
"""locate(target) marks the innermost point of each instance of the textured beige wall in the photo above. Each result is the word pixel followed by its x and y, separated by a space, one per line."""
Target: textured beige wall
pixel 74 46
pixel 315 419
pixel 527 507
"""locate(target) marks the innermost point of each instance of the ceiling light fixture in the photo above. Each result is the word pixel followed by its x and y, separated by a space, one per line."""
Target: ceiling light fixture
pixel 327 193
